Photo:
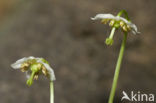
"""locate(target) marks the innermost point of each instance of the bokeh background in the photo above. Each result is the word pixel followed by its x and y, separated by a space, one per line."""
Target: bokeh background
pixel 61 31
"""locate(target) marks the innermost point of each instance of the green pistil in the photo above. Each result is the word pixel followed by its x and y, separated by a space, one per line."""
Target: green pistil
pixel 109 41
pixel 30 80
pixel 34 68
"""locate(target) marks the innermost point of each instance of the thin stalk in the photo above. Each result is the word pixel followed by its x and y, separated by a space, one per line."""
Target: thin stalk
pixel 125 13
pixel 51 92
pixel 117 69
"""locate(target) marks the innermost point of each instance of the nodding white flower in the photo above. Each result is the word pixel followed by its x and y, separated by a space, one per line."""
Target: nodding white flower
pixel 35 66
pixel 120 21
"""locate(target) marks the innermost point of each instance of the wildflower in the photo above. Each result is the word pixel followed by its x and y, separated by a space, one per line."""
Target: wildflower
pixel 33 67
pixel 117 21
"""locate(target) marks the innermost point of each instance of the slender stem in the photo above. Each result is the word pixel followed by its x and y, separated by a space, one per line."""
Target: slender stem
pixel 51 92
pixel 123 12
pixel 117 69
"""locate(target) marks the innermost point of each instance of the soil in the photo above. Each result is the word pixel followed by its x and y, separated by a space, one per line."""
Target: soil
pixel 63 33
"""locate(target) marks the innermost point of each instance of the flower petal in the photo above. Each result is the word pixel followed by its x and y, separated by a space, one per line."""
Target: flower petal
pixel 49 69
pixel 134 29
pixel 18 63
pixel 103 16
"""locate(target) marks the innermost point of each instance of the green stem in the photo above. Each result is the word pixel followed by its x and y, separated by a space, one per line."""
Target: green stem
pixel 125 13
pixel 51 92
pixel 117 69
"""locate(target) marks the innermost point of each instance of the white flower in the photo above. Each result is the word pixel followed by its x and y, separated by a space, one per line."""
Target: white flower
pixel 19 63
pixel 132 26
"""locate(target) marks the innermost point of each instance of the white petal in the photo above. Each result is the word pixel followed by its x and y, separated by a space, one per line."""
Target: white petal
pixel 109 16
pixel 103 16
pixel 122 19
pixel 18 63
pixel 49 69
pixel 134 29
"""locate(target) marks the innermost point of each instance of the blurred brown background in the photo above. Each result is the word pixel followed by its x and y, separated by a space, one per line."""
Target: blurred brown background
pixel 61 31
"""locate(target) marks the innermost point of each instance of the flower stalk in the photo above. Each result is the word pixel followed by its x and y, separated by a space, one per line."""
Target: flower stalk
pixel 51 92
pixel 117 69
pixel 126 26
pixel 119 61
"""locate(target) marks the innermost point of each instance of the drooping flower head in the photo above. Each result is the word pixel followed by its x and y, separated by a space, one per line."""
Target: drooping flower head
pixel 33 67
pixel 116 21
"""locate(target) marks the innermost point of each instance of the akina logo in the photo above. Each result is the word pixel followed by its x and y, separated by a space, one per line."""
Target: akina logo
pixel 138 97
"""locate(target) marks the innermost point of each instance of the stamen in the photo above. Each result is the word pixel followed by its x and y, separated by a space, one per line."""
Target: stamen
pixel 24 67
pixel 44 71
pixel 104 21
pixel 112 22
pixel 122 23
pixel 36 76
pixel 125 28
